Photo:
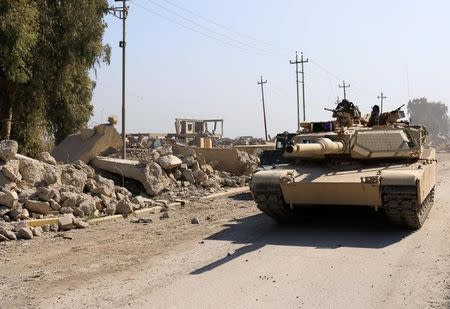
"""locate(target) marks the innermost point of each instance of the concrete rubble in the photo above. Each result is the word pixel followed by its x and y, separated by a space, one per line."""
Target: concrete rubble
pixel 88 143
pixel 41 189
pixel 224 158
pixel 71 193
pixel 173 170
pixel 93 182
pixel 239 141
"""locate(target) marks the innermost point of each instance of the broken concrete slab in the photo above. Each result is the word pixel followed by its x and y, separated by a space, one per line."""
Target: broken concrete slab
pixel 65 222
pixel 87 144
pixel 124 207
pixel 8 234
pixel 8 198
pixel 24 233
pixel 8 149
pixel 142 201
pixel 36 173
pixel 80 224
pixel 38 207
pixel 169 162
pixel 37 231
pixel 133 170
pixel 228 160
pixel 45 194
pixel 189 176
pixel 46 158
pixel 11 170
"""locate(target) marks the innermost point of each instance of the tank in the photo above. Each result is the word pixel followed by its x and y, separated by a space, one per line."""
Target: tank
pixel 379 162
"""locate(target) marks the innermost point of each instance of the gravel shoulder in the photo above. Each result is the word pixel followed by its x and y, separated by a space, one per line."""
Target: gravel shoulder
pixel 236 257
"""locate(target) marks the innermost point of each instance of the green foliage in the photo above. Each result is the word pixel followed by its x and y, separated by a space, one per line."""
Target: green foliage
pixel 432 115
pixel 18 36
pixel 50 65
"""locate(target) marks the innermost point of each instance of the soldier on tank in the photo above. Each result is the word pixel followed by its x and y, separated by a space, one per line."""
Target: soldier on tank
pixel 346 113
pixel 374 116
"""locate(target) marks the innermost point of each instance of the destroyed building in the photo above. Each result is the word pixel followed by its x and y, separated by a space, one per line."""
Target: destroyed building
pixel 188 129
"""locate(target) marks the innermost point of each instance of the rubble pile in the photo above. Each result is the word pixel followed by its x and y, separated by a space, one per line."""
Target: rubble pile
pixel 185 176
pixel 141 146
pixel 73 192
pixel 136 143
pixel 180 173
pixel 36 189
pixel 239 141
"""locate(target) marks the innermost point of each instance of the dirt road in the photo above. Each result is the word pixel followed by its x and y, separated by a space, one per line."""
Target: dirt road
pixel 236 258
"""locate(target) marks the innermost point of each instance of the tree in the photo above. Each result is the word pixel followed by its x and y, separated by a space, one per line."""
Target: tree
pixel 64 42
pixel 432 115
pixel 18 36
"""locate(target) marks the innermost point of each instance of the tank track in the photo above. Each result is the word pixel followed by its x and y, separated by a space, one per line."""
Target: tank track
pixel 402 207
pixel 273 205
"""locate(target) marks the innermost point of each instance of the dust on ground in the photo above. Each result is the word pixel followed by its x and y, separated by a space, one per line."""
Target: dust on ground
pixel 41 268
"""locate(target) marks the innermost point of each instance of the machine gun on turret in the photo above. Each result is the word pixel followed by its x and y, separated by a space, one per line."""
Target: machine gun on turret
pixel 392 116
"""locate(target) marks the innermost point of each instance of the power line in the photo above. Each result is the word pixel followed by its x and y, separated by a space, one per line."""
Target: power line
pixel 203 27
pixel 216 23
pixel 187 27
pixel 237 44
pixel 217 36
pixel 335 76
pixel 325 70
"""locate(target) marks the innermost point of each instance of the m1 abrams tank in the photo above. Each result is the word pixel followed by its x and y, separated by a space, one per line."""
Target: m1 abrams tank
pixel 347 162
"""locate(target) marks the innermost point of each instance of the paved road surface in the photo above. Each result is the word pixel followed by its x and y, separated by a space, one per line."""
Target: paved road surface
pixel 363 264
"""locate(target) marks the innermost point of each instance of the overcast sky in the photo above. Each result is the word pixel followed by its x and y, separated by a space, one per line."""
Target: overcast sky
pixel 202 59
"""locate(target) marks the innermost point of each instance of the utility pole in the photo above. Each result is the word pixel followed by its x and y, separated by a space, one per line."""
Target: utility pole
pixel 264 107
pixel 381 97
pixel 296 62
pixel 344 86
pixel 337 100
pixel 122 13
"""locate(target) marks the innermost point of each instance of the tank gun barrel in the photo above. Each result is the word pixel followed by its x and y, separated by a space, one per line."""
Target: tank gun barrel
pixel 319 147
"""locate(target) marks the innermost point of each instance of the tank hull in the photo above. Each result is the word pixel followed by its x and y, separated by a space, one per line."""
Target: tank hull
pixel 404 189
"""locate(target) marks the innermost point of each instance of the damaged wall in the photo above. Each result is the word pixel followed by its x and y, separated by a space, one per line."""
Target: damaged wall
pixel 87 144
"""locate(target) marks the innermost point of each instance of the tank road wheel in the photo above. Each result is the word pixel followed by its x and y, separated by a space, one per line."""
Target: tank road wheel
pixel 273 205
pixel 403 209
